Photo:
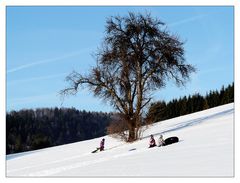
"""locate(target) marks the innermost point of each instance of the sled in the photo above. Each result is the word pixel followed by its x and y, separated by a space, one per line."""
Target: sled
pixel 96 150
pixel 152 146
pixel 170 140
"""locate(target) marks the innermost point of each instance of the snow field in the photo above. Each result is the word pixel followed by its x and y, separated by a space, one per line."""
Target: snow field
pixel 205 149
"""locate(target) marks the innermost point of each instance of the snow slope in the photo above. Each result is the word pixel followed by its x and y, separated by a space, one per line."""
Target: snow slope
pixel 206 148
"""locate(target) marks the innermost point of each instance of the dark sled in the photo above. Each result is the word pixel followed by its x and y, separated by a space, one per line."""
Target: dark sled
pixel 95 150
pixel 170 140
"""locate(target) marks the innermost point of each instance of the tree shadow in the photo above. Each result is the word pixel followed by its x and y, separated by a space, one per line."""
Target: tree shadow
pixel 193 122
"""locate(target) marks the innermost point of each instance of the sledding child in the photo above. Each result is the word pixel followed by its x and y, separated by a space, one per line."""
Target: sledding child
pixel 152 142
pixel 102 145
pixel 161 141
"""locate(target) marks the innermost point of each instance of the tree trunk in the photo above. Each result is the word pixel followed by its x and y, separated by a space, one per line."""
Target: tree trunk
pixel 132 132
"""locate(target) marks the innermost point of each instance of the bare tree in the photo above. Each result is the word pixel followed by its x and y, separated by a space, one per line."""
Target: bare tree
pixel 137 57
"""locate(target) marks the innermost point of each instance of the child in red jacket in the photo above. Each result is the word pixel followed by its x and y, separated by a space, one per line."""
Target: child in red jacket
pixel 152 142
pixel 102 144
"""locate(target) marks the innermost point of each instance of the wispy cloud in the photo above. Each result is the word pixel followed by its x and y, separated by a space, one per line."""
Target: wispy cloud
pixel 186 20
pixel 45 61
pixel 37 78
pixel 212 70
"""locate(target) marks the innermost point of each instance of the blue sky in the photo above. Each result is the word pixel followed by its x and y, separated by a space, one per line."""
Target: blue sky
pixel 44 44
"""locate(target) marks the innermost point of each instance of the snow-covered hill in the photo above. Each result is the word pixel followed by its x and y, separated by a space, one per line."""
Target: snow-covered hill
pixel 205 149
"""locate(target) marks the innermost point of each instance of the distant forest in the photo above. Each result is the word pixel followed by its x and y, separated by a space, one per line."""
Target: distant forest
pixel 161 110
pixel 46 127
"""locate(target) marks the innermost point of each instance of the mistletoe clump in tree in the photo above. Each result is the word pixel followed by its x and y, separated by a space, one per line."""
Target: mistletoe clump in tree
pixel 137 57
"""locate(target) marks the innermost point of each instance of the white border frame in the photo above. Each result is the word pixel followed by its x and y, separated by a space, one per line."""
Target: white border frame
pixel 5 3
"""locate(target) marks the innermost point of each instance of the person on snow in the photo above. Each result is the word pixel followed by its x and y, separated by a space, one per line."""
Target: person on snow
pixel 161 141
pixel 152 142
pixel 102 144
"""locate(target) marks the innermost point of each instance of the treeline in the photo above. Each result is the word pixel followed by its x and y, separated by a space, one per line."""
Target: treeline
pixel 45 127
pixel 161 110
